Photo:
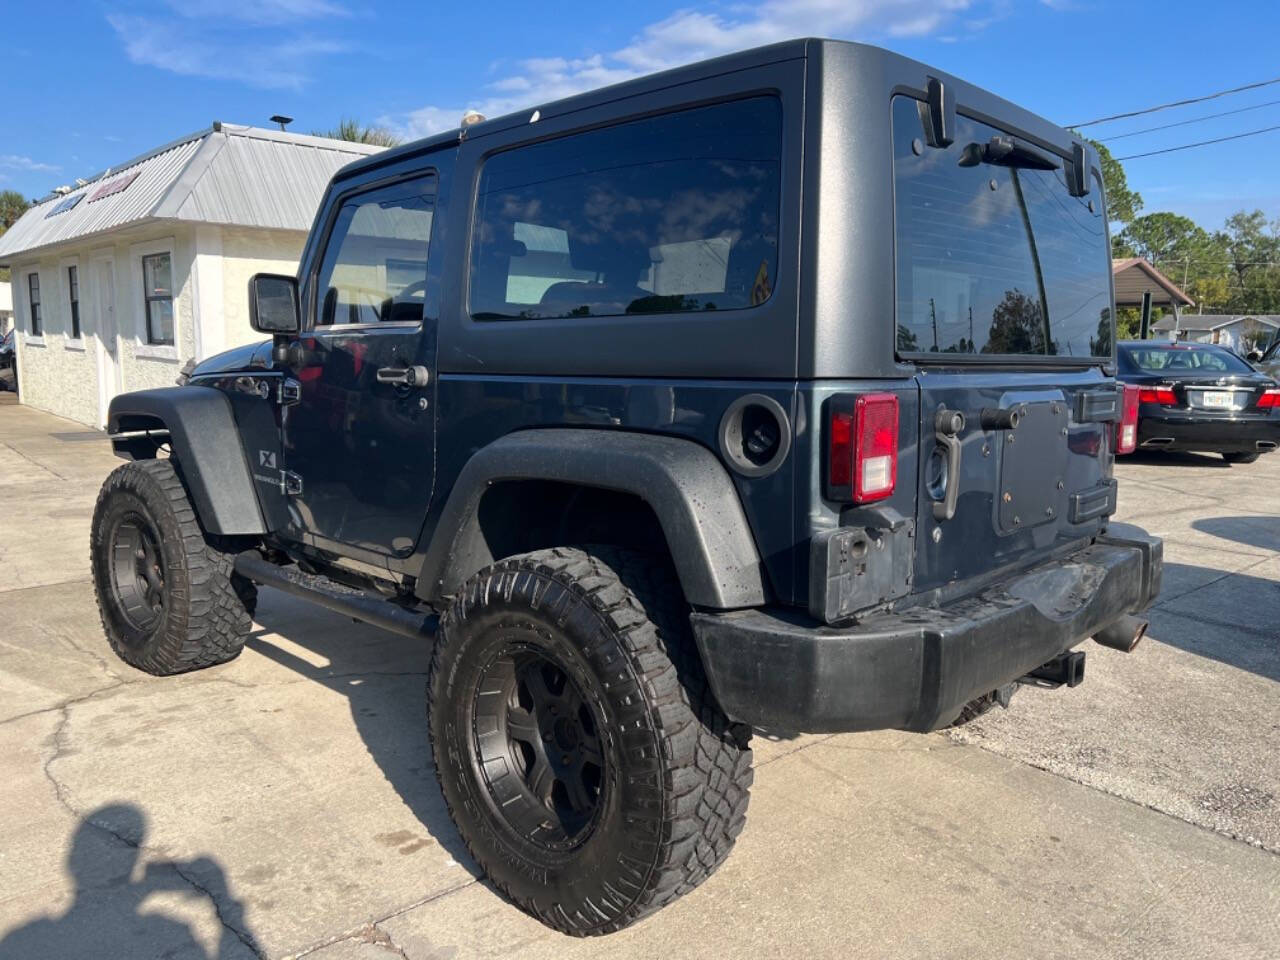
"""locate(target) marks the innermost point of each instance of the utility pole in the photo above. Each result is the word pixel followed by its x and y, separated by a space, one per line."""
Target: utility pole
pixel 933 317
pixel 971 348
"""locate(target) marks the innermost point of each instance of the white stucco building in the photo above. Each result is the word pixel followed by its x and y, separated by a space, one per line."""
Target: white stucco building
pixel 117 283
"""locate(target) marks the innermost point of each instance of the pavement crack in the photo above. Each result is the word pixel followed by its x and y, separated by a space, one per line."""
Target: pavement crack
pixel 60 794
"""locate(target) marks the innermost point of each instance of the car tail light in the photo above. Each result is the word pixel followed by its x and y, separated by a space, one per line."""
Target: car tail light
pixel 862 449
pixel 1127 431
pixel 1269 400
pixel 1161 395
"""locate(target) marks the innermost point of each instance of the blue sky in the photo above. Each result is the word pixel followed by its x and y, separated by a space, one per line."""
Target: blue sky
pixel 101 82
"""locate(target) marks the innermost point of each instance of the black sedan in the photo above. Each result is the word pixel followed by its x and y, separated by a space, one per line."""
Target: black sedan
pixel 1197 396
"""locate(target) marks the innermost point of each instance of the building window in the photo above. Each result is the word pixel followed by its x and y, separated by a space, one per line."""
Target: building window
pixel 157 290
pixel 73 292
pixel 33 286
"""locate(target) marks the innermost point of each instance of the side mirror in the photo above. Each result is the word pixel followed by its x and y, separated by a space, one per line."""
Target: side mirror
pixel 273 304
pixel 1253 356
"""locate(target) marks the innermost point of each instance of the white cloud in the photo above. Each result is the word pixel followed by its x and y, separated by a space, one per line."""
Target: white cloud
pixel 690 35
pixel 221 39
pixel 12 161
pixel 258 11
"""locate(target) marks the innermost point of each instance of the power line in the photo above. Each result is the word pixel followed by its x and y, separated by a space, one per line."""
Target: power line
pixel 1176 103
pixel 1202 143
pixel 1183 123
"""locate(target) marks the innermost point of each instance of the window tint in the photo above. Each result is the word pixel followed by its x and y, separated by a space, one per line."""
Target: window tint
pixel 672 213
pixel 157 288
pixel 375 262
pixel 1158 359
pixel 994 258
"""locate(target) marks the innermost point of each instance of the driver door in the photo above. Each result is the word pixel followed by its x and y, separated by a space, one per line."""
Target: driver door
pixel 359 415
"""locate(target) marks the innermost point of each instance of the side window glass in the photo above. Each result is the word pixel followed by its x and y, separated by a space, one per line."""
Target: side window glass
pixel 672 213
pixel 375 261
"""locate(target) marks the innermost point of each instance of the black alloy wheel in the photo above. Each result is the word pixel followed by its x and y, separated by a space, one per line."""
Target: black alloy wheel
pixel 531 718
pixel 137 571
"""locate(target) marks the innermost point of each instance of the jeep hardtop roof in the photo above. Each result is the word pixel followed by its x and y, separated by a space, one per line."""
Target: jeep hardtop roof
pixel 847 68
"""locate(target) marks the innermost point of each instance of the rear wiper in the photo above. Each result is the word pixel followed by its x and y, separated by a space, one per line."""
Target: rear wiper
pixel 1003 152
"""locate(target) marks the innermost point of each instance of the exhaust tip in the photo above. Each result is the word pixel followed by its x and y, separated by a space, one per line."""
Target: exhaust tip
pixel 1266 444
pixel 1124 634
pixel 1157 442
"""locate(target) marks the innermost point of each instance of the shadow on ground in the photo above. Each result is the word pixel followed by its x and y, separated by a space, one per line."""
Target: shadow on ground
pixel 1177 459
pixel 106 917
pixel 389 706
pixel 1235 620
pixel 1260 532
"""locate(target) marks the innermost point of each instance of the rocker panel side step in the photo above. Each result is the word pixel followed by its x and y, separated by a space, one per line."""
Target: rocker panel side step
pixel 335 596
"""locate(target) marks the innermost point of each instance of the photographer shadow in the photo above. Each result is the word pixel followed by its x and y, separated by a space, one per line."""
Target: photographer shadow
pixel 107 917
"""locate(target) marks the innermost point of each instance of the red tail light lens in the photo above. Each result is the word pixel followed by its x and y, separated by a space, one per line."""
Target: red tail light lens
pixel 1127 430
pixel 840 453
pixel 1161 395
pixel 862 449
pixel 1269 400
pixel 875 447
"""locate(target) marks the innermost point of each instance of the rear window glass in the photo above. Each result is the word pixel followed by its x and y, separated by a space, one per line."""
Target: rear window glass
pixel 1156 359
pixel 992 258
pixel 667 214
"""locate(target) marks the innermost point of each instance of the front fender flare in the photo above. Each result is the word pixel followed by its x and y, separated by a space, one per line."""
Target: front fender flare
pixel 205 443
pixel 684 484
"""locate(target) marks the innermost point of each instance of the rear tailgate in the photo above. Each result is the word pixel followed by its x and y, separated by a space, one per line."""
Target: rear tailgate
pixel 1022 491
pixel 1004 304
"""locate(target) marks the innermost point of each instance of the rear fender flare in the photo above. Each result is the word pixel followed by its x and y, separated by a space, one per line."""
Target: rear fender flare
pixel 685 485
pixel 205 443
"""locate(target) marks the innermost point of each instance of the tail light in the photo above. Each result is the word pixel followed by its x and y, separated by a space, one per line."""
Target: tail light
pixel 1269 400
pixel 862 448
pixel 1161 395
pixel 1127 431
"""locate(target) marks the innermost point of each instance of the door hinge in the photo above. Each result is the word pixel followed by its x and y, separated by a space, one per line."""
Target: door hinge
pixel 290 483
pixel 290 392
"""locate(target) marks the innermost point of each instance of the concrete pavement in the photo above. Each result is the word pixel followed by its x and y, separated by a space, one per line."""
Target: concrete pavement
pixel 283 804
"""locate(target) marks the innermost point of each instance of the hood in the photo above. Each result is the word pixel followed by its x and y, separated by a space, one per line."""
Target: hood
pixel 250 356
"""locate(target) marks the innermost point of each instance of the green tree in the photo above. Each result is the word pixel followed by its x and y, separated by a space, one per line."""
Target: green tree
pixel 350 129
pixel 1251 246
pixel 1123 204
pixel 12 206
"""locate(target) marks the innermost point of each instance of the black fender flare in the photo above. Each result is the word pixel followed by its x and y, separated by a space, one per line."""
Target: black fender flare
pixel 685 485
pixel 206 444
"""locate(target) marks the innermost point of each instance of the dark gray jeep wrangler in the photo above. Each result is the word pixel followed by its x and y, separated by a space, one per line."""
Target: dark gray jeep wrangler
pixel 773 392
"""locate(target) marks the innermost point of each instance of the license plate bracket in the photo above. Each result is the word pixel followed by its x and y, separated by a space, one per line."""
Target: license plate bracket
pixel 1033 467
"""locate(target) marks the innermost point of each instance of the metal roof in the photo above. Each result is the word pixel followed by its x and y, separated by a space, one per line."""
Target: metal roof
pixel 1134 276
pixel 227 174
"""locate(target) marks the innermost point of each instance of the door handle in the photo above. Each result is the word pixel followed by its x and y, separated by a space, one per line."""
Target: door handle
pixel 415 376
pixel 947 425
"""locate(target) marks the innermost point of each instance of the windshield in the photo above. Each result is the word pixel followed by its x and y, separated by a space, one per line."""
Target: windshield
pixel 1174 360
pixel 994 255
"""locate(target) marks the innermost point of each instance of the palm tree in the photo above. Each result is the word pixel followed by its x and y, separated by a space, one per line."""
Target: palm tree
pixel 350 129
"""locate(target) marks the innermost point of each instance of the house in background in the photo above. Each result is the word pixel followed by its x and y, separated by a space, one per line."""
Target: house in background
pixel 120 281
pixel 1238 332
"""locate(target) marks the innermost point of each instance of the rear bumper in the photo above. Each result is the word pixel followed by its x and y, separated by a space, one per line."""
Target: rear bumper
pixel 1218 435
pixel 778 669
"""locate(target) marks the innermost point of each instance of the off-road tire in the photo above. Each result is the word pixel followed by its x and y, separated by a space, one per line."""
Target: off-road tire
pixel 673 795
pixel 1240 457
pixel 207 609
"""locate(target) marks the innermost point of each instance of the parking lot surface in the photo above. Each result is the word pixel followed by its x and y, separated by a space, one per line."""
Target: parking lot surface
pixel 283 804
